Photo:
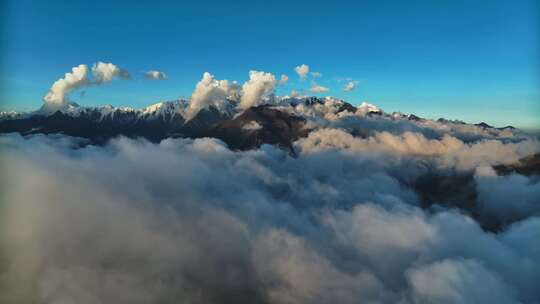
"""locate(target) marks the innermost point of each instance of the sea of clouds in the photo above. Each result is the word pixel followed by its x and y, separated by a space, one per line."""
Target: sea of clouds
pixel 190 221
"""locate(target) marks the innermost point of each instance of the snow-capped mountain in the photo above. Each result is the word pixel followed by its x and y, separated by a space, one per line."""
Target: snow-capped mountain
pixel 280 120
pixel 164 110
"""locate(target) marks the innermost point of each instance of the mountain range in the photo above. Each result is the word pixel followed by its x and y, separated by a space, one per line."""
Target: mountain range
pixel 281 121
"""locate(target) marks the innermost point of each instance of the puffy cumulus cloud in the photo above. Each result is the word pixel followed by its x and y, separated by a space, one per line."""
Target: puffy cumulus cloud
pixel 260 84
pixel 155 75
pixel 283 79
pixel 191 220
pixel 318 89
pixel 209 92
pixel 302 70
pixel 57 94
pixel 106 72
pixel 351 85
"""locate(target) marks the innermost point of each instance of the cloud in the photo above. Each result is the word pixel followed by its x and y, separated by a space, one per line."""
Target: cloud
pixel 106 72
pixel 283 79
pixel 318 89
pixel 449 151
pixel 315 74
pixel 453 281
pixel 349 86
pixel 208 91
pixel 296 273
pixel 259 84
pixel 302 70
pixel 387 231
pixel 155 75
pixel 507 198
pixel 57 94
pixel 212 92
pixel 192 220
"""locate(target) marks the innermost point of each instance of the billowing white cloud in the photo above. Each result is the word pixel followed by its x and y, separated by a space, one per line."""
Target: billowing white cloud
pixel 208 91
pixel 302 70
pixel 349 86
pixel 155 75
pixel 318 89
pixel 57 94
pixel 106 72
pixel 259 84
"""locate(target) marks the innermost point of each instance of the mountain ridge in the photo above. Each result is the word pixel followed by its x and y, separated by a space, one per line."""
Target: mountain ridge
pixel 241 129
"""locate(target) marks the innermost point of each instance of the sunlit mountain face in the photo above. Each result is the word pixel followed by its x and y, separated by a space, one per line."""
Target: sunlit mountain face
pixel 278 152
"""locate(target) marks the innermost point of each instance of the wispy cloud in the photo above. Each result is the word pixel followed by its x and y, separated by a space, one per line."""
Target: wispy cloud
pixel 351 85
pixel 302 70
pixel 155 75
pixel 315 88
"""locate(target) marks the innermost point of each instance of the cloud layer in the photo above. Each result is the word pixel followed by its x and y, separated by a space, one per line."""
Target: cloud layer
pixel 191 220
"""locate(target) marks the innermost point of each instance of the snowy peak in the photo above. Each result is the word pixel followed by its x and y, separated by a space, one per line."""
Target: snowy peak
pixel 176 118
pixel 12 115
pixel 166 107
pixel 51 108
pixel 165 111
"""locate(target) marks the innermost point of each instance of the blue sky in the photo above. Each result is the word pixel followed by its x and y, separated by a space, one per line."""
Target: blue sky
pixel 469 60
